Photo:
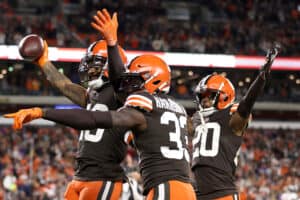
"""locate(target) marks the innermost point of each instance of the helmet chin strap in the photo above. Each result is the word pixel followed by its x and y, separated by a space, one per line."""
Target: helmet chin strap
pixel 201 114
pixel 202 128
pixel 205 112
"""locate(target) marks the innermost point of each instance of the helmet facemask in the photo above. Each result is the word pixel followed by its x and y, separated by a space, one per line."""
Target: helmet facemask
pixel 129 83
pixel 91 71
pixel 214 92
pixel 207 99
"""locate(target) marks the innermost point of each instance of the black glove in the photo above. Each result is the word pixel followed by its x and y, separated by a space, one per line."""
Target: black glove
pixel 271 55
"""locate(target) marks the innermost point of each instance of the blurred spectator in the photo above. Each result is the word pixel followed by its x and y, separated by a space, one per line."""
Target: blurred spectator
pixel 27 80
pixel 38 162
pixel 182 91
pixel 228 27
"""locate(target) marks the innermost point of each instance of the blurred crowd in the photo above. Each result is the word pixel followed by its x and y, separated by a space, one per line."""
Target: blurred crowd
pixel 202 26
pixel 269 165
pixel 36 163
pixel 29 80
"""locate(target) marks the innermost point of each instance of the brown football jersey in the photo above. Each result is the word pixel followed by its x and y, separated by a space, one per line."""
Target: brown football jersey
pixel 162 146
pixel 101 150
pixel 215 152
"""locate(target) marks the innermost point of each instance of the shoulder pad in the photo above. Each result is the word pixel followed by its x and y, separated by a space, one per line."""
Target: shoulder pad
pixel 140 101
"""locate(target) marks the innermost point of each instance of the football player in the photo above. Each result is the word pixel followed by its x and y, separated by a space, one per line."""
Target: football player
pixel 98 174
pixel 219 125
pixel 157 121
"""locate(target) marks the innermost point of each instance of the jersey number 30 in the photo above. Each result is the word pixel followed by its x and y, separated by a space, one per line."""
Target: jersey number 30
pixel 86 135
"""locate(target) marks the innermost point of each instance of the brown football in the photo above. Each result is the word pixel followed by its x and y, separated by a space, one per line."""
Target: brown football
pixel 31 47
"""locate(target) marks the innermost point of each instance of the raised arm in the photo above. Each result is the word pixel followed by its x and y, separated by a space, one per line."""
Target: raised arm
pixel 74 92
pixel 108 28
pixel 82 119
pixel 115 66
pixel 240 118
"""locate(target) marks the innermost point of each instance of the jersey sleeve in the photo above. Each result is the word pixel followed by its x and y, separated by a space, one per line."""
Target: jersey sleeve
pixel 115 66
pixel 140 101
pixel 234 108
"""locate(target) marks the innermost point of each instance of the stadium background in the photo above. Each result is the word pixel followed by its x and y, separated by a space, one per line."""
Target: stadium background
pixel 196 38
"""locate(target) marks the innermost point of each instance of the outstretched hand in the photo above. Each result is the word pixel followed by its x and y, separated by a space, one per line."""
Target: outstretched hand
pixel 23 116
pixel 271 55
pixel 106 25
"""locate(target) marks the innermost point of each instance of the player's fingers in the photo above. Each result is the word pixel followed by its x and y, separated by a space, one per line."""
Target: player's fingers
pixel 269 55
pixel 45 49
pixel 97 20
pixel 17 125
pixel 45 44
pixel 20 118
pixel 10 115
pixel 101 16
pixel 106 14
pixel 273 54
pixel 115 18
pixel 95 26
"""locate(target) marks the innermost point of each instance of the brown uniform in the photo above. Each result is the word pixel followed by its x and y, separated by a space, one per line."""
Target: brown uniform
pixel 98 172
pixel 215 152
pixel 162 147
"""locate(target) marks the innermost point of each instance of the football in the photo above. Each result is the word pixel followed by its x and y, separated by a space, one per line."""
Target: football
pixel 31 47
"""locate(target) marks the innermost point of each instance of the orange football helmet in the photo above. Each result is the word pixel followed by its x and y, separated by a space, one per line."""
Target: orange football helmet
pixel 219 88
pixel 96 57
pixel 154 71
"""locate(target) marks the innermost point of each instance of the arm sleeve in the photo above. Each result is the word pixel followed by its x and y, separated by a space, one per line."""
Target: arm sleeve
pixel 79 118
pixel 246 104
pixel 115 66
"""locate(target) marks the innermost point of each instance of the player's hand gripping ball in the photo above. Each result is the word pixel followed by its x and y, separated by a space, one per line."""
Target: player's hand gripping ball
pixel 31 47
